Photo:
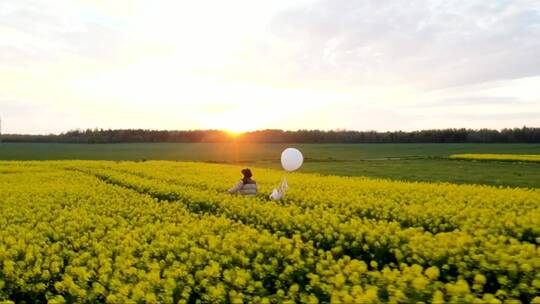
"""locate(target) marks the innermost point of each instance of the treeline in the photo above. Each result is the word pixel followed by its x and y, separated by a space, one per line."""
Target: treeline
pixel 516 135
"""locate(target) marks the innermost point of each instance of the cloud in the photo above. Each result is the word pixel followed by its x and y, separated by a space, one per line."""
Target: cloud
pixel 16 108
pixel 472 101
pixel 34 31
pixel 271 64
pixel 534 116
pixel 361 116
pixel 428 44
pixel 28 117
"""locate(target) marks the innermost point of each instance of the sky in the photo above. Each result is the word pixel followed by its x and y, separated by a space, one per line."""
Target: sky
pixel 243 65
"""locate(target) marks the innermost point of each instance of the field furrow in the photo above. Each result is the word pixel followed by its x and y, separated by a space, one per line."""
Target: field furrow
pixel 456 254
pixel 67 236
pixel 149 232
pixel 435 208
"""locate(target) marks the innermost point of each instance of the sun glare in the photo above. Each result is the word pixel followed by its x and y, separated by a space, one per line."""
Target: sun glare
pixel 233 133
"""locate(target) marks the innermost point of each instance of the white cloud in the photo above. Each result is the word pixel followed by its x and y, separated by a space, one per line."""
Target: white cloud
pixel 46 32
pixel 246 64
pixel 429 44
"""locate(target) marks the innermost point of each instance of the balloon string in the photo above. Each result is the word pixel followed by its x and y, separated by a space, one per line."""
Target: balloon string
pixel 280 183
pixel 282 187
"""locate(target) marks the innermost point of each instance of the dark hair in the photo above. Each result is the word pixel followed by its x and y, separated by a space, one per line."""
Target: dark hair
pixel 247 175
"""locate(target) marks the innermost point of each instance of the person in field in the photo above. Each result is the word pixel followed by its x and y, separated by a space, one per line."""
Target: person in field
pixel 246 186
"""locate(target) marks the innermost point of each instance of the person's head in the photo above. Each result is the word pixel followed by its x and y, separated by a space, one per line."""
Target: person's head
pixel 247 173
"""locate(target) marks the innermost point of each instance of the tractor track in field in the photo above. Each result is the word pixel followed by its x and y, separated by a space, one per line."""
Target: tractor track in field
pixel 404 224
pixel 355 215
pixel 384 255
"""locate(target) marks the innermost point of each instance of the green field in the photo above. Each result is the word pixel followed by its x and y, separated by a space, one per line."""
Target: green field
pixel 413 162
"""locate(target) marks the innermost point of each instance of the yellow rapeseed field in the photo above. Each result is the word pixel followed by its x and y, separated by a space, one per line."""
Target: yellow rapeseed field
pixel 167 232
pixel 499 157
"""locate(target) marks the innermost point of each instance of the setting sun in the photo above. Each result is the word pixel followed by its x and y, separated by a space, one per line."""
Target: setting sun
pixel 233 134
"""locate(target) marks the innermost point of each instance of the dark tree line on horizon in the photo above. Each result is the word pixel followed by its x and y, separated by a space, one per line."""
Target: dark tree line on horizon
pixel 97 136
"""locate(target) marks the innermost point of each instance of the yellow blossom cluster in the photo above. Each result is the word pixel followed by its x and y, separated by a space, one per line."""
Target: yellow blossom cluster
pixel 167 232
pixel 535 158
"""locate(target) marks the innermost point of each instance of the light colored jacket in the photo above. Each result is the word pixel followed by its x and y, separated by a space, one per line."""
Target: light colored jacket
pixel 244 189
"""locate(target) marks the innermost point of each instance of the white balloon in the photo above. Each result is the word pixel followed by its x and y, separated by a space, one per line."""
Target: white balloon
pixel 291 159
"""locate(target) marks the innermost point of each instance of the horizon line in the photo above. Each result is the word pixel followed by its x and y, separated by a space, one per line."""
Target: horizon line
pixel 240 133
